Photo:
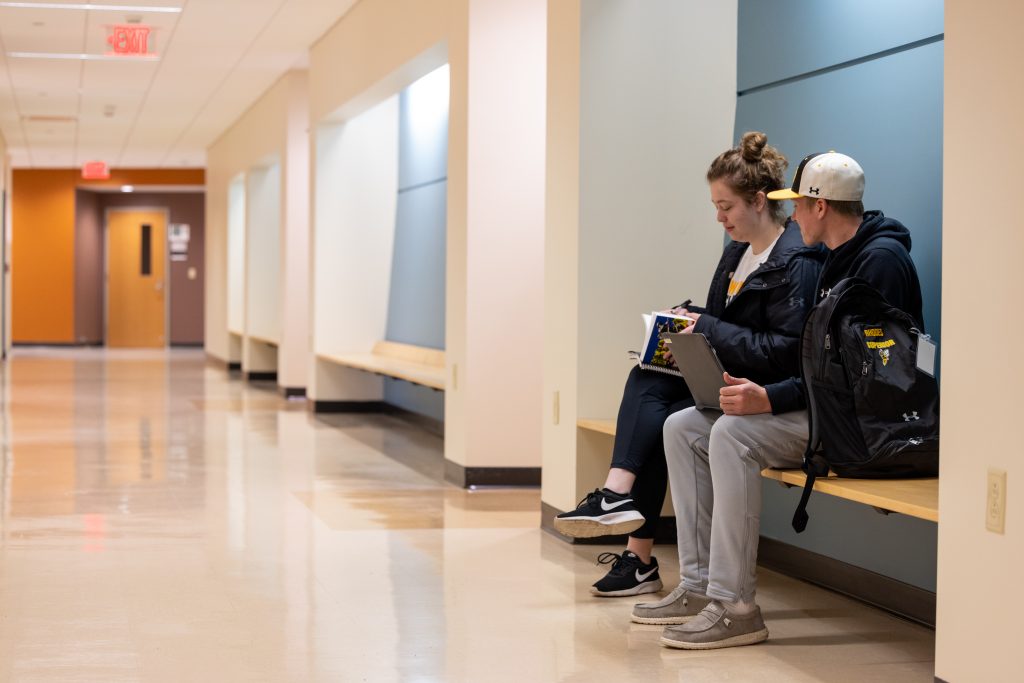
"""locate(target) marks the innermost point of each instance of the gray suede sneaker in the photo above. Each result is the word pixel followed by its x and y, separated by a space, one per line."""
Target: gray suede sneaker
pixel 716 627
pixel 678 607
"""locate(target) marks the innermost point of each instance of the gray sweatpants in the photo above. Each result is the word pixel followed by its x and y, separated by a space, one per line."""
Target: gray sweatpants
pixel 714 469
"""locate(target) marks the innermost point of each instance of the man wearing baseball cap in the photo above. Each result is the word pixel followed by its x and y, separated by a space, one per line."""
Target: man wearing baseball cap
pixel 715 459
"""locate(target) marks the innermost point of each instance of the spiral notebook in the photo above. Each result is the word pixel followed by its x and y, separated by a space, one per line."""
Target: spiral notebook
pixel 654 356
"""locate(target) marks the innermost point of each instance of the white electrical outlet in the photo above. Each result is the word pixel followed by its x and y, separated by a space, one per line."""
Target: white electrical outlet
pixel 995 504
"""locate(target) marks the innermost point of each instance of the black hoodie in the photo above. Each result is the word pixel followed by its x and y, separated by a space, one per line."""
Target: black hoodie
pixel 879 253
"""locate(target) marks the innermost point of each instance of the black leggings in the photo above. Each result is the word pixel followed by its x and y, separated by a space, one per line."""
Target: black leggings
pixel 647 401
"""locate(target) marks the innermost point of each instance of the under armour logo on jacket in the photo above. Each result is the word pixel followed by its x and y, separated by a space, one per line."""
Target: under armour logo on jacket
pixel 910 418
pixel 814 190
pixel 824 293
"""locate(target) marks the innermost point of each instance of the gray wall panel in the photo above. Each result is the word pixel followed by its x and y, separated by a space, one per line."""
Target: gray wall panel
pixel 423 131
pixel 416 310
pixel 784 38
pixel 416 306
pixel 887 114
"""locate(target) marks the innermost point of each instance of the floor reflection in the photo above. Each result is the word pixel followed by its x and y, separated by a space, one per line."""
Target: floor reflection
pixel 161 520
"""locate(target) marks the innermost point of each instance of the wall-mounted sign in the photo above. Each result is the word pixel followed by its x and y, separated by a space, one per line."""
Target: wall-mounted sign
pixel 131 39
pixel 95 170
pixel 178 235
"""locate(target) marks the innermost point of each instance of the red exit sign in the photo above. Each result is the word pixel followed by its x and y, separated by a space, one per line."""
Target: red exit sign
pixel 95 170
pixel 130 39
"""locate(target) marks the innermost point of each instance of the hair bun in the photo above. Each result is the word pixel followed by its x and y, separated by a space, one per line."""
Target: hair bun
pixel 752 146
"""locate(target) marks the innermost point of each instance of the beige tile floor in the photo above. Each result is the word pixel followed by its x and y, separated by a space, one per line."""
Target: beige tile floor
pixel 160 521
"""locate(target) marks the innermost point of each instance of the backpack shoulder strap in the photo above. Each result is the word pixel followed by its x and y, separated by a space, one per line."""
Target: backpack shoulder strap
pixel 820 320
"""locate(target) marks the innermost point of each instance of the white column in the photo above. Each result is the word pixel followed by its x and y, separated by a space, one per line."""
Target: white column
pixel 979 570
pixel 495 300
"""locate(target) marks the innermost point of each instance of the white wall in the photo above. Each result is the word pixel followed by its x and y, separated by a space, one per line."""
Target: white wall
pixel 263 250
pixel 979 571
pixel 356 188
pixel 236 255
pixel 275 127
pixel 294 352
pixel 630 226
pixel 503 294
pixel 5 279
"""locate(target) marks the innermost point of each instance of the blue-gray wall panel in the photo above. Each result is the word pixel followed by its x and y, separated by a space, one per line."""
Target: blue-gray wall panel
pixel 416 307
pixel 901 547
pixel 887 114
pixel 416 312
pixel 423 131
pixel 414 398
pixel 784 38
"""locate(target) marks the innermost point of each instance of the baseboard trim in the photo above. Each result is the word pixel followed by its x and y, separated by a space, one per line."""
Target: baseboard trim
pixel 664 534
pixel 59 345
pixel 897 597
pixel 939 680
pixel 347 406
pixel 293 392
pixel 467 477
pixel 234 366
pixel 261 376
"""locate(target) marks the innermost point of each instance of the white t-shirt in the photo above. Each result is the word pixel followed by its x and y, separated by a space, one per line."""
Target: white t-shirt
pixel 748 264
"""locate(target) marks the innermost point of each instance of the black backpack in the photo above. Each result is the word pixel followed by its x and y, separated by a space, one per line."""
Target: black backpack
pixel 872 412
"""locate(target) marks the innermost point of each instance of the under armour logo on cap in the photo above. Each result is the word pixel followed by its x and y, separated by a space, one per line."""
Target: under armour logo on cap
pixel 814 190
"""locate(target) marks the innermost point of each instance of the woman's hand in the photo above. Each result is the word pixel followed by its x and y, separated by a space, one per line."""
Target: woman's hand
pixel 696 316
pixel 743 397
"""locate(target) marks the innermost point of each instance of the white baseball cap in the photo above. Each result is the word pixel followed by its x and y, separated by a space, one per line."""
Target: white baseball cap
pixel 830 175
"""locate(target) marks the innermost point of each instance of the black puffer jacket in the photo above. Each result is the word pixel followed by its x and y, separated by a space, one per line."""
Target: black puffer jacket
pixel 757 334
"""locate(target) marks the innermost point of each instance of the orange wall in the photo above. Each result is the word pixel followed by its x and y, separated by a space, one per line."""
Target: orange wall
pixel 43 245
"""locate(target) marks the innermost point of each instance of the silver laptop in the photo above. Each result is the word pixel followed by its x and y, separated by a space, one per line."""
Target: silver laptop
pixel 697 360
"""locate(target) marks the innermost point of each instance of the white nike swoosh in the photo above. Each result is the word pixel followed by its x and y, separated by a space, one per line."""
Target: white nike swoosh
pixel 606 507
pixel 643 577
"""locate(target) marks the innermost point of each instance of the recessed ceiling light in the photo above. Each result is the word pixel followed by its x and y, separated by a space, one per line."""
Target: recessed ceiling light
pixel 83 56
pixel 93 8
pixel 44 118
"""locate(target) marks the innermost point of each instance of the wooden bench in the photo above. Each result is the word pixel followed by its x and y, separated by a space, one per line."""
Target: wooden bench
pixel 913 497
pixel 263 340
pixel 416 364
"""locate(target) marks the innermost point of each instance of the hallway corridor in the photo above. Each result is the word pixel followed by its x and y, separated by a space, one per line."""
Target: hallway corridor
pixel 162 521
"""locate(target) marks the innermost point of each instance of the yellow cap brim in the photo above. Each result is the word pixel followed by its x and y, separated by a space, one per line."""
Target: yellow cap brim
pixel 783 194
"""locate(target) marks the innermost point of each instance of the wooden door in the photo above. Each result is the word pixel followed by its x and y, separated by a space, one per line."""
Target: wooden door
pixel 136 286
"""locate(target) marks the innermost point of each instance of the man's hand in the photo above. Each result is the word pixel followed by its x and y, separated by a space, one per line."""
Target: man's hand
pixel 743 397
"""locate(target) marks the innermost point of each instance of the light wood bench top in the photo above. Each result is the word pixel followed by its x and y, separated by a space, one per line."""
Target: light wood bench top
pixel 914 497
pixel 263 340
pixel 416 364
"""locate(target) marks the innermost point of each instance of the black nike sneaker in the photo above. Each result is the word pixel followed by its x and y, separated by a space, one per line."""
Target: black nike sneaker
pixel 601 513
pixel 628 576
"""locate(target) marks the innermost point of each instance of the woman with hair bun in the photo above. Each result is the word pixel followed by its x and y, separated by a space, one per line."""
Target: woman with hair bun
pixel 759 296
